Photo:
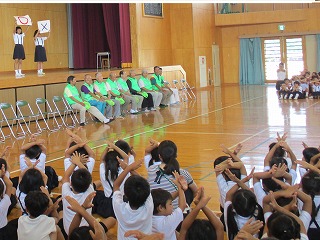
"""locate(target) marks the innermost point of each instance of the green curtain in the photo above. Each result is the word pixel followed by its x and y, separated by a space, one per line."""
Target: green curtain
pixel 251 67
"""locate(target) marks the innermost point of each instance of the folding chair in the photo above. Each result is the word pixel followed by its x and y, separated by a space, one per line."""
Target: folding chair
pixel 75 111
pixel 182 91
pixel 47 113
pixel 62 108
pixel 24 111
pixel 186 86
pixel 10 117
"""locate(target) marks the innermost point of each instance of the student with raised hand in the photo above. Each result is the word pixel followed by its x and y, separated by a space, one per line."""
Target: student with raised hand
pixel 84 232
pixel 87 155
pixel 5 202
pixel 240 206
pixel 151 155
pixel 166 219
pixel 110 169
pixel 283 224
pixel 79 187
pixel 192 228
pixel 291 193
pixel 37 225
pixel 136 214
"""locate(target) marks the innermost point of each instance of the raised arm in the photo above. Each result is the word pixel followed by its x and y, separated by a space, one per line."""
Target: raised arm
pixel 135 165
pixel 123 155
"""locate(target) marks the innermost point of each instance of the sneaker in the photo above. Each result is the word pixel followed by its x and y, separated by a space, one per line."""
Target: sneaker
pixel 146 110
pixel 22 74
pixel 281 97
pixel 18 75
pixel 133 111
pixel 153 109
pixel 291 95
pixel 311 97
pixel 296 97
pixel 82 124
pixel 285 97
pixel 109 121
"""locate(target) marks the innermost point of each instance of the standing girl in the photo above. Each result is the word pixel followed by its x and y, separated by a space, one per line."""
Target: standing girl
pixel 40 55
pixel 18 53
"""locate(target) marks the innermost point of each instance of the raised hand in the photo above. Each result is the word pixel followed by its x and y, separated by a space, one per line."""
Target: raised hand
pixel 181 180
pixel 281 170
pixel 76 158
pixel 88 202
pixel 252 227
pixel 98 233
pixel 5 151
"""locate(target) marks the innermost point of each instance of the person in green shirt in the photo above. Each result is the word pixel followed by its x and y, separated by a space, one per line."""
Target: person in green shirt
pixel 132 82
pixel 175 98
pixel 158 85
pixel 145 85
pixel 72 95
pixel 115 92
pixel 136 100
pixel 102 90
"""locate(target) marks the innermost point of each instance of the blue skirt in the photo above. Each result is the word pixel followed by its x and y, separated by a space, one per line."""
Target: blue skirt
pixel 18 52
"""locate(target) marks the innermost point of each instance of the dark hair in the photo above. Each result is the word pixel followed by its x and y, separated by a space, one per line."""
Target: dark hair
pixel 296 82
pixel 37 203
pixel 270 185
pixel 81 233
pixel 1 189
pixel 31 181
pixel 18 27
pixel 277 161
pixel 160 198
pixel 137 190
pixel 123 145
pixel 279 152
pixel 3 162
pixel 244 203
pixel 33 152
pixel 121 73
pixel 81 150
pixel 154 156
pixel 283 227
pixel 168 153
pixel 111 164
pixel 81 180
pixel 309 152
pixel 35 32
pixel 155 67
pixel 234 171
pixel 311 186
pixel 70 79
pixel 201 229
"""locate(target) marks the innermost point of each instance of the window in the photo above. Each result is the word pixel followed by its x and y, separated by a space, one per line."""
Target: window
pixel 288 50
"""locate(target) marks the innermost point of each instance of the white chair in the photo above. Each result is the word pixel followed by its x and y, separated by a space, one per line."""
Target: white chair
pixel 46 112
pixel 64 111
pixel 24 111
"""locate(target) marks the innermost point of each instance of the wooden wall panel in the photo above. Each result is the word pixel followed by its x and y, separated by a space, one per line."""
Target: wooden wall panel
pixel 56 45
pixel 230 37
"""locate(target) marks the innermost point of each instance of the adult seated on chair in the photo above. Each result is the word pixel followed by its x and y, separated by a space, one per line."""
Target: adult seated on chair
pixel 145 85
pixel 115 92
pixel 88 94
pixel 174 98
pixel 72 96
pixel 158 85
pixel 136 100
pixel 101 89
pixel 147 103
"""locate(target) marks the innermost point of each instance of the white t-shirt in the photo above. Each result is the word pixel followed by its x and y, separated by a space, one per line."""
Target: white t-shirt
pixel 302 236
pixel 292 172
pixel 4 206
pixel 90 164
pixel 317 203
pixel 147 159
pixel 21 197
pixel 39 41
pixel 106 187
pixel 37 228
pixel 281 75
pixel 129 219
pixel 240 220
pixel 141 83
pixel 167 224
pixel 41 165
pixel 259 192
pixel 224 186
pixel 18 38
pixel 67 213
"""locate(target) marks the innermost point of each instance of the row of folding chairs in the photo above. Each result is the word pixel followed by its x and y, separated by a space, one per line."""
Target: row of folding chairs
pixel 48 116
pixel 185 91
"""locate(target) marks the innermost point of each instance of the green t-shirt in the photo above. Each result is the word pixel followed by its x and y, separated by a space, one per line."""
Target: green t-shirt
pixel 113 87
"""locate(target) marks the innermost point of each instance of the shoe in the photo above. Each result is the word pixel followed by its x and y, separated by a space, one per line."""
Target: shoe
pixel 18 75
pixel 162 106
pixel 22 74
pixel 82 124
pixel 285 97
pixel 133 111
pixel 281 97
pixel 146 110
pixel 153 109
pixel 291 95
pixel 311 97
pixel 296 97
pixel 109 121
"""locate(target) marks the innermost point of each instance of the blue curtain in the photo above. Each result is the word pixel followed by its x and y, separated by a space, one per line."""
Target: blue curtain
pixel 251 67
pixel 318 52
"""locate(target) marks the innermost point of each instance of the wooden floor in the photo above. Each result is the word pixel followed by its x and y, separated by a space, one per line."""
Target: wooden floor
pixel 251 115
